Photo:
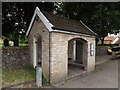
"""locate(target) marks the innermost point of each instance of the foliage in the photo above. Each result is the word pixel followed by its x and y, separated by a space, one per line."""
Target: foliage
pixel 16 17
pixel 110 45
pixel 44 81
pixel 102 18
pixel 12 20
pixel 95 71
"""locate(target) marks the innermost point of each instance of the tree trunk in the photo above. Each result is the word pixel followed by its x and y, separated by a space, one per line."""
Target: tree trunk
pixel 102 40
pixel 6 42
pixel 16 42
pixel 96 41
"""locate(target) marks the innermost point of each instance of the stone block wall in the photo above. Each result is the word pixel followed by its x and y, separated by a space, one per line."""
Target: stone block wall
pixel 15 57
pixel 59 55
pixel 39 29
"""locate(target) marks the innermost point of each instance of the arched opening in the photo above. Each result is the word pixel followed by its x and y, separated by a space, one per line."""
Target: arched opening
pixel 37 50
pixel 77 55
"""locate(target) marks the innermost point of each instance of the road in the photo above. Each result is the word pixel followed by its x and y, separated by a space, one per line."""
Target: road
pixel 105 76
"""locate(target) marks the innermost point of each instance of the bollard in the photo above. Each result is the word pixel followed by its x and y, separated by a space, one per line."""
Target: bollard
pixel 39 75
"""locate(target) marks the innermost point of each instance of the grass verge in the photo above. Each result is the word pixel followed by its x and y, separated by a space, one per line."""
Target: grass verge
pixel 13 76
pixel 94 71
pixel 26 74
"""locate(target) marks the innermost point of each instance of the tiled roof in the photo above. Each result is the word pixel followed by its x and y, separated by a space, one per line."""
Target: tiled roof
pixel 109 38
pixel 65 24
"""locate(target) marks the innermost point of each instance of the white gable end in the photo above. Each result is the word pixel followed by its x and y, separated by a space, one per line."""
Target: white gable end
pixel 43 19
pixel 114 41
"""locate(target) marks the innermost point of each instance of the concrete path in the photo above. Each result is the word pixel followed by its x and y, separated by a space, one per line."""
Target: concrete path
pixel 105 76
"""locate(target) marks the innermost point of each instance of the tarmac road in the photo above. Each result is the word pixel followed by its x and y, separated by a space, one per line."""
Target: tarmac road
pixel 105 76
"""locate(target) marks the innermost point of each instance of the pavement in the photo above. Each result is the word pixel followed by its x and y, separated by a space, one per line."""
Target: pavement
pixel 103 59
pixel 105 76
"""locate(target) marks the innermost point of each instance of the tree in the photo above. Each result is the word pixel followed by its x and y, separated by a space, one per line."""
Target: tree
pixel 106 19
pixel 102 18
pixel 13 22
pixel 16 18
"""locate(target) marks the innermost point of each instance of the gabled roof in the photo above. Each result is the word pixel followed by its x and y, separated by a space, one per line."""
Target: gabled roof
pixel 60 24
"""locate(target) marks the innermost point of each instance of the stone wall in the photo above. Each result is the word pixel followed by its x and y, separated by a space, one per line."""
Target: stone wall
pixel 101 51
pixel 15 57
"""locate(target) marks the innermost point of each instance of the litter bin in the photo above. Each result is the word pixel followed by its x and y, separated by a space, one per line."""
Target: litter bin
pixel 39 75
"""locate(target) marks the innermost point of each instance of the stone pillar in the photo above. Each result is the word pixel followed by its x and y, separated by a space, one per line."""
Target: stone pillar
pixel 74 50
pixel 34 52
pixel 58 59
pixel 89 61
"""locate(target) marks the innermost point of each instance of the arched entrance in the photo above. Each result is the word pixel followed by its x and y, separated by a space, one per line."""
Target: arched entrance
pixel 77 55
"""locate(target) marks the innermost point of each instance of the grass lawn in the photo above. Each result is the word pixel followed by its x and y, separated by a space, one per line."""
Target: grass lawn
pixel 1 44
pixel 13 76
pixel 20 44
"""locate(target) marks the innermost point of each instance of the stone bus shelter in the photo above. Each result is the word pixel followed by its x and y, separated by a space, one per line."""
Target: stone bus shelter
pixel 56 42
